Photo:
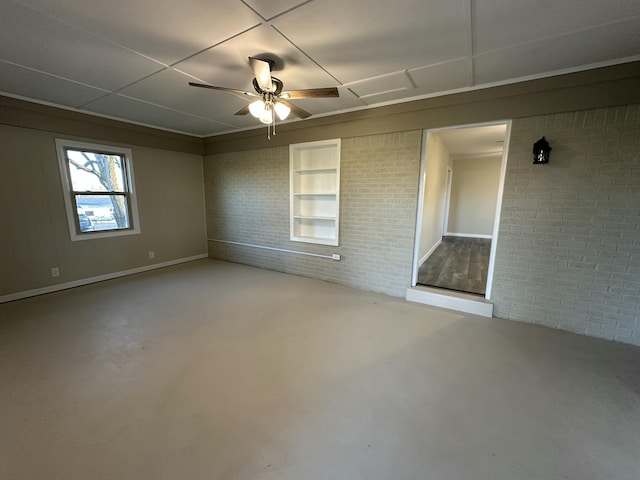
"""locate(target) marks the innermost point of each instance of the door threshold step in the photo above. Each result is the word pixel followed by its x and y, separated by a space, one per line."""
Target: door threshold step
pixel 452 300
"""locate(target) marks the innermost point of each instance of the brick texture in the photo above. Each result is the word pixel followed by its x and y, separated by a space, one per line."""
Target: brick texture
pixel 247 195
pixel 568 252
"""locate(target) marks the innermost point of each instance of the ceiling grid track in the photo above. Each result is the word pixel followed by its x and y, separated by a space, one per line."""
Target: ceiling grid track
pixel 133 61
pixel 307 55
pixel 468 12
pixel 222 42
pixel 89 32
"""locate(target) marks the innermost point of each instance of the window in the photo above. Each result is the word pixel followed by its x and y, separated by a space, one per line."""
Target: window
pixel 98 190
pixel 315 191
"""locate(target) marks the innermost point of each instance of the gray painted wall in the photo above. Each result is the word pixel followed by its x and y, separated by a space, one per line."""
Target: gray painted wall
pixel 474 195
pixel 35 234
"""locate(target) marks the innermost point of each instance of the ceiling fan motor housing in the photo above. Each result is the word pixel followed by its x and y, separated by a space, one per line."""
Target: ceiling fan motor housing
pixel 277 83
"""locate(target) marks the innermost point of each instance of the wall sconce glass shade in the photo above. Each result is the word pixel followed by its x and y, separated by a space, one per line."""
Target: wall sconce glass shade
pixel 541 151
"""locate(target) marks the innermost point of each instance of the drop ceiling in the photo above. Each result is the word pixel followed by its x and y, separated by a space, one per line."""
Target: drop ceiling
pixel 132 60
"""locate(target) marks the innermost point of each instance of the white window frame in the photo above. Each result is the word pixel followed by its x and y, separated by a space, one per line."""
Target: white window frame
pixel 69 194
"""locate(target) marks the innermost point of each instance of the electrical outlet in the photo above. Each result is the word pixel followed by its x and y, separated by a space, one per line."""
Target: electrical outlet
pixel 335 256
pixel 55 272
pixel 152 254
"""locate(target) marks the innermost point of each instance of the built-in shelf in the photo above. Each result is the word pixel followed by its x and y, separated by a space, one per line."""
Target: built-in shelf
pixel 315 191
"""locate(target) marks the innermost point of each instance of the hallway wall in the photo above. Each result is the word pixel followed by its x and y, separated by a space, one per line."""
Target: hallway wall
pixel 474 196
pixel 437 160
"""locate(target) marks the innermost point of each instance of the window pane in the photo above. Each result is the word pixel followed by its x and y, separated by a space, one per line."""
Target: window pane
pixel 95 172
pixel 102 212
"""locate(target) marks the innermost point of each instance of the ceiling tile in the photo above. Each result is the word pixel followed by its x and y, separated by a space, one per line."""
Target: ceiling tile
pixel 502 23
pixel 36 41
pixel 442 77
pixel 390 96
pixel 165 31
pixel 170 88
pixel 585 47
pixel 227 65
pixel 118 106
pixel 354 41
pixel 381 85
pixel 271 8
pixel 46 88
pixel 69 52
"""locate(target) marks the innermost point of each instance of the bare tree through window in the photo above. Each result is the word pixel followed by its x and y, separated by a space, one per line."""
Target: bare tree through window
pixel 98 185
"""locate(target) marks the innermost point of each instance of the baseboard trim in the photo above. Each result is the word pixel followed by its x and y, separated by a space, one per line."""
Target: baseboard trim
pixel 459 302
pixel 99 278
pixel 428 254
pixel 468 235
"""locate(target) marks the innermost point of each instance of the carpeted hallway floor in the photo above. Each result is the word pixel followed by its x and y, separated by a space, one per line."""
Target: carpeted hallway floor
pixel 211 370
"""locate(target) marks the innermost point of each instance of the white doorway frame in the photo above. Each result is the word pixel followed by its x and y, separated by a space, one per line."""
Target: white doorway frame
pixel 447 199
pixel 421 194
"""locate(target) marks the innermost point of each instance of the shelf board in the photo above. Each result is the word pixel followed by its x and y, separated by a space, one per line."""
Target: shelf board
pixel 315 170
pixel 316 194
pixel 311 217
pixel 318 240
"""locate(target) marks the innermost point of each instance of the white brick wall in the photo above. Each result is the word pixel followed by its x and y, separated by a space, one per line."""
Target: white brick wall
pixel 568 253
pixel 248 202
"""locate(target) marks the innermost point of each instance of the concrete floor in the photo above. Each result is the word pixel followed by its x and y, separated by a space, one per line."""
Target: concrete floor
pixel 212 370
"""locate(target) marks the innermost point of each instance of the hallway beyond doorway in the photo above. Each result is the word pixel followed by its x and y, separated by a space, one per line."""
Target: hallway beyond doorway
pixel 459 263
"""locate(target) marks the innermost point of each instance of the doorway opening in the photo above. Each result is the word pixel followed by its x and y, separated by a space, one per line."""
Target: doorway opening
pixel 461 183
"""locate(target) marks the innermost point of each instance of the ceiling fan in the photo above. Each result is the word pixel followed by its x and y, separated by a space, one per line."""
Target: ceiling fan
pixel 271 101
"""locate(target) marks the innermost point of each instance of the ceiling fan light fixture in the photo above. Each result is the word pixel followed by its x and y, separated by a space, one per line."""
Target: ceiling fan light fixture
pixel 267 116
pixel 270 99
pixel 282 110
pixel 257 108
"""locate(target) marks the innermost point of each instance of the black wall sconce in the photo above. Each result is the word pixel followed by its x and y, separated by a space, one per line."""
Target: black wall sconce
pixel 541 151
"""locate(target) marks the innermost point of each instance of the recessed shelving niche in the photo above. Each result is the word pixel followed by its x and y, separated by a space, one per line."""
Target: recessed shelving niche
pixel 315 191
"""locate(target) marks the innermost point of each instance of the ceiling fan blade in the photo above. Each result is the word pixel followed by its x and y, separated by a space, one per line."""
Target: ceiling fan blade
pixel 262 72
pixel 295 110
pixel 311 93
pixel 243 111
pixel 223 89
